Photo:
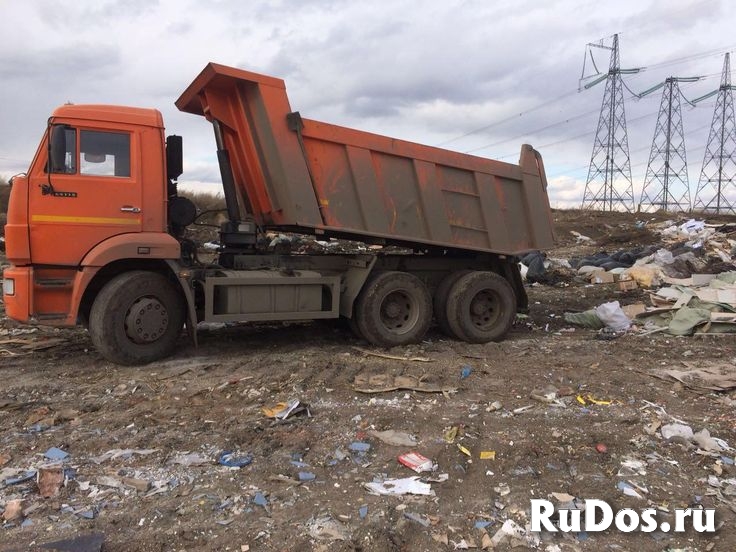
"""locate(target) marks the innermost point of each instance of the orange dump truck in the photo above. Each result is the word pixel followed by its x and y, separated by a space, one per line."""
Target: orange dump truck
pixel 97 234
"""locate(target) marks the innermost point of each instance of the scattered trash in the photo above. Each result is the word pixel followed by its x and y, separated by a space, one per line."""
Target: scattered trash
pixel 707 443
pixel 494 406
pixel 711 377
pixel 358 446
pixel 587 319
pixel 260 500
pixel 682 431
pixel 464 450
pixel 465 371
pixel 121 453
pixel 450 434
pixel 22 478
pixel 417 462
pixel 49 480
pixel 230 460
pixel 503 489
pixel 13 509
pixel 632 466
pixel 628 489
pixel 421 520
pixel 563 497
pixel 395 438
pixel 363 511
pixel 515 534
pixel 190 459
pixel 601 448
pixel 392 357
pixel 612 316
pixel 306 476
pixel 488 455
pixel 328 529
pixel 482 524
pixel 282 411
pixel 408 485
pixel 548 395
pixel 382 383
pixel 590 399
pixel 56 454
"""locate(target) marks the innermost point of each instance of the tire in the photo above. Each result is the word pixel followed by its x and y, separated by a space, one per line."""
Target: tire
pixel 353 325
pixel 394 308
pixel 481 307
pixel 127 337
pixel 440 301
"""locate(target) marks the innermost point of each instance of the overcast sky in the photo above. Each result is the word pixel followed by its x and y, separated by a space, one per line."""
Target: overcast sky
pixel 475 76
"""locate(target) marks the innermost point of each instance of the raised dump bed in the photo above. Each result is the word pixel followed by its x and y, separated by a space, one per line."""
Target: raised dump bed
pixel 315 177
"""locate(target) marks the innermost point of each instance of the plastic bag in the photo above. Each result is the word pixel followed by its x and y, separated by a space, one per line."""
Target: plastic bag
pixel 613 316
pixel 663 257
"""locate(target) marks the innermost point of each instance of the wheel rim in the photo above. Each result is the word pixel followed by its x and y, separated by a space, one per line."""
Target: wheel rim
pixel 399 312
pixel 484 309
pixel 146 320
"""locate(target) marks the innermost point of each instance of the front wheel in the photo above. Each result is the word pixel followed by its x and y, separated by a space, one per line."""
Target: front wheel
pixel 136 318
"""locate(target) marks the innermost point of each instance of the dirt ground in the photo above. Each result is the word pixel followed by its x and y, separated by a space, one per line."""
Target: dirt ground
pixel 165 425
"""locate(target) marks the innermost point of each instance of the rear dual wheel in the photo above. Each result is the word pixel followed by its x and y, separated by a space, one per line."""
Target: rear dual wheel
pixel 479 306
pixel 394 308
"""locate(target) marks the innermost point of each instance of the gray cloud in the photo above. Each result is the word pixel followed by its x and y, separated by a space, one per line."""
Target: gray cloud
pixel 56 65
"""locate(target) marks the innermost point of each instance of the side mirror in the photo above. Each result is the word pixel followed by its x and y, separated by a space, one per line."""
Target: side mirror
pixel 58 149
pixel 174 157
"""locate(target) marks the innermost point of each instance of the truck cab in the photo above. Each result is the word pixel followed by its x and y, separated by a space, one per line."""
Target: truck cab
pixel 94 198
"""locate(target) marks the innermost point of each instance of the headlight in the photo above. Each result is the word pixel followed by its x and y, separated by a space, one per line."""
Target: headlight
pixel 8 286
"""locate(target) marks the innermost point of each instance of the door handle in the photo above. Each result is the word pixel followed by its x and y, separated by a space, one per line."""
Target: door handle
pixel 130 209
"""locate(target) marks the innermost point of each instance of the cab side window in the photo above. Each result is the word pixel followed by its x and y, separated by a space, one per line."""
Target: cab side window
pixel 104 153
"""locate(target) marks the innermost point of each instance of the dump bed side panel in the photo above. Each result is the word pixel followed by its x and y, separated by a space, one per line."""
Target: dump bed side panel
pixel 384 187
pixel 312 176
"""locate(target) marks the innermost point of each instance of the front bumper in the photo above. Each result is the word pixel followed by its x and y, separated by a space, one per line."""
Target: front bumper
pixel 17 303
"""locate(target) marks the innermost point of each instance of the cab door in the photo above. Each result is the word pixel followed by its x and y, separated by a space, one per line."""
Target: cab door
pixel 86 191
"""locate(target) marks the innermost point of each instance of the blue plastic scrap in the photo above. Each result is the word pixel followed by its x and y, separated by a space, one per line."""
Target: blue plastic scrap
pixel 465 372
pixel 260 500
pixel 30 474
pixel 306 476
pixel 358 446
pixel 56 454
pixel 482 524
pixel 230 460
pixel 363 511
pixel 421 520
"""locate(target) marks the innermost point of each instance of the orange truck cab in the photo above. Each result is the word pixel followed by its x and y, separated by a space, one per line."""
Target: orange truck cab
pixel 95 209
pixel 96 231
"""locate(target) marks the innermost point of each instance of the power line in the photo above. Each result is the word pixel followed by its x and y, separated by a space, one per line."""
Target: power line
pixel 542 129
pixel 565 95
pixel 509 118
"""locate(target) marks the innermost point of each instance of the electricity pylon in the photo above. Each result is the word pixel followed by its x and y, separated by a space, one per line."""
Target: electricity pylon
pixel 666 184
pixel 608 186
pixel 719 163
